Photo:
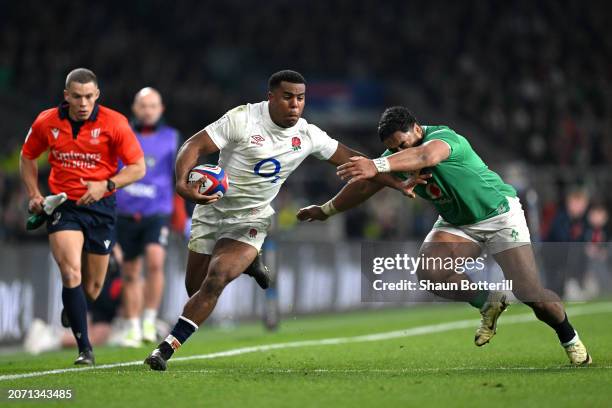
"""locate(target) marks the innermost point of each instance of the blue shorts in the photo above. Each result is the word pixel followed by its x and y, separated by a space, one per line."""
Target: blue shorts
pixel 96 221
pixel 134 233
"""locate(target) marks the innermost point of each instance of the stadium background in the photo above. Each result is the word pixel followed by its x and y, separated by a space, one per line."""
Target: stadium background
pixel 529 83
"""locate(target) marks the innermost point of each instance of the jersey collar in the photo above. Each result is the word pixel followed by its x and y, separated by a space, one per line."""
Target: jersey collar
pixel 62 110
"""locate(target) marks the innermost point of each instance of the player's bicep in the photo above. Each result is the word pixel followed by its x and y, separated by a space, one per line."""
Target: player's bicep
pixel 202 142
pixel 435 151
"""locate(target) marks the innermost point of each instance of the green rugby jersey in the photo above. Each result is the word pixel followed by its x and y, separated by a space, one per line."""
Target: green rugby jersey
pixel 462 187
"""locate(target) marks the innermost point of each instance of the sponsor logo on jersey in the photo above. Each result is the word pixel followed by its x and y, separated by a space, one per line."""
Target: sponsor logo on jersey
pixel 296 143
pixel 74 159
pixel 433 191
pixel 55 132
pixel 257 140
pixel 141 190
pixel 95 133
pixel 252 233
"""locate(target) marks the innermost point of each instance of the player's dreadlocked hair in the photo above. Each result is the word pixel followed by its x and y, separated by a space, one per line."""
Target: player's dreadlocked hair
pixel 394 119
pixel 287 76
pixel 81 76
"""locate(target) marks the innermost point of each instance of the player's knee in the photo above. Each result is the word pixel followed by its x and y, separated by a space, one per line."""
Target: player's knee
pixel 432 274
pixel 129 278
pixel 71 274
pixel 155 269
pixel 527 294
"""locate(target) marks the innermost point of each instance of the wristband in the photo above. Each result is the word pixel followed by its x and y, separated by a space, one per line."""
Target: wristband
pixel 329 209
pixel 382 165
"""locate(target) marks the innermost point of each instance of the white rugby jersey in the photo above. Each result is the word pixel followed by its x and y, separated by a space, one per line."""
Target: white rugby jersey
pixel 258 155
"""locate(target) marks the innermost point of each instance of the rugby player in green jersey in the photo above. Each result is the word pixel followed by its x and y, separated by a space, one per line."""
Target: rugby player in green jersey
pixel 477 209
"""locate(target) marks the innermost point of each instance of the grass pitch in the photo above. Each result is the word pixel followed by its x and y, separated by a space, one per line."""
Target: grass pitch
pixel 431 366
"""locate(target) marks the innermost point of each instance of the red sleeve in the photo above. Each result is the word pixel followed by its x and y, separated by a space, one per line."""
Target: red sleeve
pixel 179 215
pixel 35 142
pixel 126 144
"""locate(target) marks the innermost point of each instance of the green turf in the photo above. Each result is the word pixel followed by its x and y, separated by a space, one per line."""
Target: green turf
pixel 523 366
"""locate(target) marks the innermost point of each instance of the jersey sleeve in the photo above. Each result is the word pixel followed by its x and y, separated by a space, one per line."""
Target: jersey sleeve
pixel 35 142
pixel 127 145
pixel 451 139
pixel 323 146
pixel 227 128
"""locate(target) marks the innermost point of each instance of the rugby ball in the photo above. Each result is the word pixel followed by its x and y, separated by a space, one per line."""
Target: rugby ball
pixel 212 179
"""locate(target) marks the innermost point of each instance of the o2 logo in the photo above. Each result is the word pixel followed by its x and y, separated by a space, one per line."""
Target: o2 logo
pixel 268 172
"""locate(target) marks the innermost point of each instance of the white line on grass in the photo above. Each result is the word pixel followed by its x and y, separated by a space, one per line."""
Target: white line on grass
pixel 414 331
pixel 359 370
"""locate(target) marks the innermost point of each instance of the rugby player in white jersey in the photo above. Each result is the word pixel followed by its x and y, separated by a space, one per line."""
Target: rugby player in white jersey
pixel 260 145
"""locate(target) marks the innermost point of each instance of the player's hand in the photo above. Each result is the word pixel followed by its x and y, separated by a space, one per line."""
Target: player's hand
pixel 189 191
pixel 35 205
pixel 95 192
pixel 358 168
pixel 311 213
pixel 414 180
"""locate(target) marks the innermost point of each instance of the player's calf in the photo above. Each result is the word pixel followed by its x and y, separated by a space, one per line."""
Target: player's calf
pixel 199 308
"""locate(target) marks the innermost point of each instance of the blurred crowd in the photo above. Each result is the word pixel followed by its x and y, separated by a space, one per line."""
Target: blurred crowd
pixel 532 76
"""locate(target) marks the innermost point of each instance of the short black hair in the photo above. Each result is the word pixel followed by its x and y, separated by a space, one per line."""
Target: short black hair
pixel 81 76
pixel 393 119
pixel 285 75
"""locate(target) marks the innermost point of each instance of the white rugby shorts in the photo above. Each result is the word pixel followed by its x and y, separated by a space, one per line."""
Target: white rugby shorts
pixel 496 234
pixel 209 225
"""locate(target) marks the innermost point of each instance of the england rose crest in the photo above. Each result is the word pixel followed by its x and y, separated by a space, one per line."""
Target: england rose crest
pixel 296 143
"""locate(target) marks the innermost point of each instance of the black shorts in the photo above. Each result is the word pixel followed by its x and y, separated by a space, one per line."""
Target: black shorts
pixel 134 233
pixel 96 221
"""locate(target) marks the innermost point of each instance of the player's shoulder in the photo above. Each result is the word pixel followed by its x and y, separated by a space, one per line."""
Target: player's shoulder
pixel 310 129
pixel 46 116
pixel 441 132
pixel 110 116
pixel 240 112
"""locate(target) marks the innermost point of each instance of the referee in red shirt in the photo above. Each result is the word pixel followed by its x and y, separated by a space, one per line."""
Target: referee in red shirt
pixel 85 142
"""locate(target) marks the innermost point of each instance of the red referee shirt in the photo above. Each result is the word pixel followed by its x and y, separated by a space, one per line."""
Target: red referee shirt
pixel 93 154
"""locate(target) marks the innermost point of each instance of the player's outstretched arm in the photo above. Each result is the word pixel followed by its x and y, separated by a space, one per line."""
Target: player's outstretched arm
pixel 186 159
pixel 29 175
pixel 349 197
pixel 412 159
pixel 344 154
